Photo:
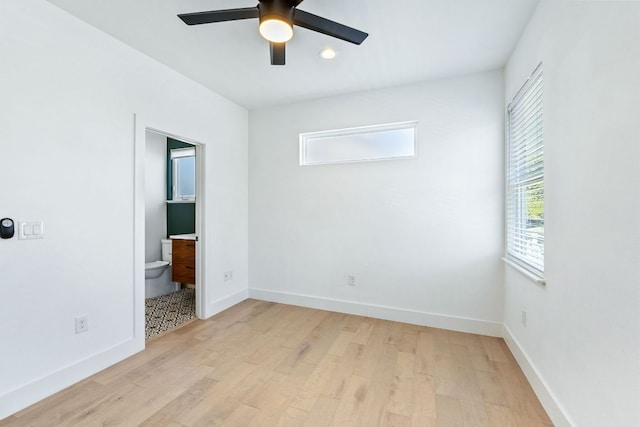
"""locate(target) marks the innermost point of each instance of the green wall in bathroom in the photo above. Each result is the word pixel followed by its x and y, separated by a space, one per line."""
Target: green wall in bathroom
pixel 181 217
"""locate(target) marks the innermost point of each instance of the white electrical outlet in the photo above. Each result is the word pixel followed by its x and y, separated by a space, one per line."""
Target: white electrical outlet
pixel 523 315
pixel 351 280
pixel 228 276
pixel 82 324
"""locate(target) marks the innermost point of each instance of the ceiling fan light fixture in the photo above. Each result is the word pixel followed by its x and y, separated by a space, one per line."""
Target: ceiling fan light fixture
pixel 276 30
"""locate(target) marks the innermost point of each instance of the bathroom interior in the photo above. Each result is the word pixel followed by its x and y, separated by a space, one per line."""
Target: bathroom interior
pixel 170 239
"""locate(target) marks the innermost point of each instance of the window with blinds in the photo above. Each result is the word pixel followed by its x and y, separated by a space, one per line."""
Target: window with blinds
pixel 525 177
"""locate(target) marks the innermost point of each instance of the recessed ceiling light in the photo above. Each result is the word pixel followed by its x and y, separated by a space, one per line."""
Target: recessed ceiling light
pixel 327 53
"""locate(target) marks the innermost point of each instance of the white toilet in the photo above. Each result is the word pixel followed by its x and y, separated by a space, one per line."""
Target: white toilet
pixel 157 274
pixel 154 269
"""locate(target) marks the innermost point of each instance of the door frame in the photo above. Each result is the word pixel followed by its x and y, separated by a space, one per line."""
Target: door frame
pixel 141 128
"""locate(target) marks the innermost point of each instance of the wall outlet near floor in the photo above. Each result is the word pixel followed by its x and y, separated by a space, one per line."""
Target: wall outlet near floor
pixel 351 280
pixel 523 318
pixel 82 324
pixel 228 276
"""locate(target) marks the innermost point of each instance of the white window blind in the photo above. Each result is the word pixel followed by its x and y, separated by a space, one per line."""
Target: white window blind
pixel 525 177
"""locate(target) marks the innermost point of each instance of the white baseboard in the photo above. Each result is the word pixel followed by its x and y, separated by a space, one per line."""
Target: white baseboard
pixel 216 307
pixel 462 324
pixel 557 414
pixel 22 397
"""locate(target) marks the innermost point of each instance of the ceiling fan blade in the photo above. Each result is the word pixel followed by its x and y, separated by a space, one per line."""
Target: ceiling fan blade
pixel 328 27
pixel 219 15
pixel 276 50
pixel 294 3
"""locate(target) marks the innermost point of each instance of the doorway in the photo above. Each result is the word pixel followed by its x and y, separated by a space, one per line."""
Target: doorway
pixel 170 234
pixel 167 211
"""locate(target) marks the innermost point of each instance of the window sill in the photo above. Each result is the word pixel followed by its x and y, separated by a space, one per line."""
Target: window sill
pixel 181 201
pixel 528 274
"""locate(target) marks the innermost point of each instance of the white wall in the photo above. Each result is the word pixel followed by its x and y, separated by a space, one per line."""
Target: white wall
pixel 423 237
pixel 69 94
pixel 155 185
pixel 582 338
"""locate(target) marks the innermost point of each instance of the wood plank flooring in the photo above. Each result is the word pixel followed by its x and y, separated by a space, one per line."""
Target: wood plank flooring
pixel 267 364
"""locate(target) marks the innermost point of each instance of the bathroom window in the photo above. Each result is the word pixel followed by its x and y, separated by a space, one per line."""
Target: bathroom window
pixel 183 164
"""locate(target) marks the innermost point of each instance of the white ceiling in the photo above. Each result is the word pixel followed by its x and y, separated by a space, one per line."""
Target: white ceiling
pixel 409 41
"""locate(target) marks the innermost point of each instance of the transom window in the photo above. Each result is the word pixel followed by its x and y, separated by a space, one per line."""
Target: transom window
pixel 379 142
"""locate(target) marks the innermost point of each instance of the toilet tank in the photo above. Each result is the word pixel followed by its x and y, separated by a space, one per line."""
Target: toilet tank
pixel 166 250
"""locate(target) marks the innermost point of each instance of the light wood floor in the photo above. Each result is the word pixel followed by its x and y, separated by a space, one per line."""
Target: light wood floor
pixel 267 364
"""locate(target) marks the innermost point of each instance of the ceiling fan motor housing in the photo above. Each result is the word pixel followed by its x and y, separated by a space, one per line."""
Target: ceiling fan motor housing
pixel 276 9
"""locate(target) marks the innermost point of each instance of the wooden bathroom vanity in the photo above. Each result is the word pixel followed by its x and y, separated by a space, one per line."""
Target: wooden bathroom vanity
pixel 183 259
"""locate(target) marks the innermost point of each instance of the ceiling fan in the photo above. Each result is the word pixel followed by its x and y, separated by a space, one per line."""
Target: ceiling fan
pixel 277 18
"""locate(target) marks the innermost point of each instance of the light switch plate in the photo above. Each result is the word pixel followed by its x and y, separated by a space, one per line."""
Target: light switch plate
pixel 28 230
